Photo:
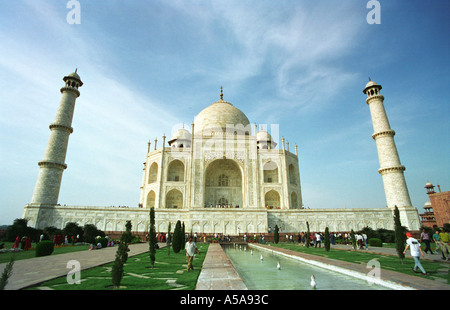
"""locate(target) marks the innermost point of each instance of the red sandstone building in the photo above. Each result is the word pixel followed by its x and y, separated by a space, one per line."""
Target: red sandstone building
pixel 437 211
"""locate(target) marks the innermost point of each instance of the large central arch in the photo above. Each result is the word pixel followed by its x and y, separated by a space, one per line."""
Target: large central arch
pixel 223 183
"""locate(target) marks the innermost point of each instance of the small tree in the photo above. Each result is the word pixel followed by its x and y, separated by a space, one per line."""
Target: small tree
pixel 168 239
pixel 276 235
pixel 327 239
pixel 353 239
pixel 183 237
pixel 400 237
pixel 121 256
pixel 6 273
pixel 307 235
pixel 176 242
pixel 152 237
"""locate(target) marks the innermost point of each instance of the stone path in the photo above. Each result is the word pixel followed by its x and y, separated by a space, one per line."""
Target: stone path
pixel 28 272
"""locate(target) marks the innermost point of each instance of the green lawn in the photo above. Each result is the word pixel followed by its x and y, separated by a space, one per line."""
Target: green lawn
pixel 5 257
pixel 169 273
pixel 436 270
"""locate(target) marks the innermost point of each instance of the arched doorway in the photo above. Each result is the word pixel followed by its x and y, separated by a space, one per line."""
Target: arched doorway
pixel 174 199
pixel 272 199
pixel 151 199
pixel 223 183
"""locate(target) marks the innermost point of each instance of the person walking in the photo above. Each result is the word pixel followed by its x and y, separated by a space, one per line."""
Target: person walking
pixel 425 238
pixel 190 249
pixel 416 252
pixel 445 243
pixel 437 241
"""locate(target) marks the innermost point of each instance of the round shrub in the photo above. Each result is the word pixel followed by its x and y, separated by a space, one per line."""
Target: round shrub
pixel 44 248
pixel 375 242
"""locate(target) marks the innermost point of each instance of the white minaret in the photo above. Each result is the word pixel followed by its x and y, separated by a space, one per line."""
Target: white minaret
pixel 47 187
pixel 391 169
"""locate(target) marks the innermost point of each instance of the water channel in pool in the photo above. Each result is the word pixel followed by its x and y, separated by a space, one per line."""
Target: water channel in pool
pixel 263 274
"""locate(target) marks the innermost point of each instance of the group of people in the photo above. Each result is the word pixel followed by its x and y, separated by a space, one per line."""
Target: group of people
pixel 440 239
pixel 23 243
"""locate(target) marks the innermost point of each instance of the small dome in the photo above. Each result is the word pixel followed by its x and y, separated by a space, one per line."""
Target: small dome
pixel 220 117
pixel 428 185
pixel 182 134
pixel 73 75
pixel 264 139
pixel 428 203
pixel 371 84
pixel 182 137
pixel 263 135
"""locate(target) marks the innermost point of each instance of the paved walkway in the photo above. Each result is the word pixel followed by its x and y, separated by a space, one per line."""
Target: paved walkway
pixel 217 272
pixel 437 257
pixel 28 272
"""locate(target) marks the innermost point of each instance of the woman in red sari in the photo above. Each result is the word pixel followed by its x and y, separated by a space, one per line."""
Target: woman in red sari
pixel 16 243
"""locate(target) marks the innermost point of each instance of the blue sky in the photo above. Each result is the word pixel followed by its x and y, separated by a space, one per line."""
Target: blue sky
pixel 150 66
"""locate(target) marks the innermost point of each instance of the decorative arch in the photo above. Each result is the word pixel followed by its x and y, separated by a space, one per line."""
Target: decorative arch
pixel 270 170
pixel 223 183
pixel 272 199
pixel 292 175
pixel 174 199
pixel 151 197
pixel 175 172
pixel 294 200
pixel 153 173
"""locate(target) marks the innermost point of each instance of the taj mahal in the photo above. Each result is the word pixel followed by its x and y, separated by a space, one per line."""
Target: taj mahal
pixel 222 174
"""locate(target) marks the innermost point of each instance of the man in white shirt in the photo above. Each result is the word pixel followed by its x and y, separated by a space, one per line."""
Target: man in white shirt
pixel 416 252
pixel 190 249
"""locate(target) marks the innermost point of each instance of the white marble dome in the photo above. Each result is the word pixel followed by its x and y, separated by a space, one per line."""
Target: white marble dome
pixel 221 116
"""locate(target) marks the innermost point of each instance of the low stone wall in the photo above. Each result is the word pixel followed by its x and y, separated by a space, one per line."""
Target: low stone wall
pixel 223 221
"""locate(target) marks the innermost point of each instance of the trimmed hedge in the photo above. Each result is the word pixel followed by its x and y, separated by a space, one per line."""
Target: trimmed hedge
pixel 44 248
pixel 375 242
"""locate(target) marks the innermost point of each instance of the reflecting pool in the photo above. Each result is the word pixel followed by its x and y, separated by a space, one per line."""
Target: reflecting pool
pixel 263 274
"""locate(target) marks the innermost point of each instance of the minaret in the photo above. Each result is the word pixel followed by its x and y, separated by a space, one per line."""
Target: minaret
pixel 47 187
pixel 391 169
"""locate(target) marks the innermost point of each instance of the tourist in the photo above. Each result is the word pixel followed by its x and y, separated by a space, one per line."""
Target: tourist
pixel 318 240
pixel 445 243
pixel 425 238
pixel 16 242
pixel 437 241
pixel 416 252
pixel 365 241
pixel 190 249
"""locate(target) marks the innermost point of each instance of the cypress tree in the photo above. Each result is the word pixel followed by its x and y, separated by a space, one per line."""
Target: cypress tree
pixel 353 239
pixel 183 237
pixel 400 238
pixel 121 256
pixel 307 235
pixel 327 239
pixel 176 242
pixel 152 237
pixel 276 235
pixel 169 239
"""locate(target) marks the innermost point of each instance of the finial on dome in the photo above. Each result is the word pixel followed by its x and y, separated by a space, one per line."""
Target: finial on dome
pixel 369 79
pixel 76 69
pixel 221 93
